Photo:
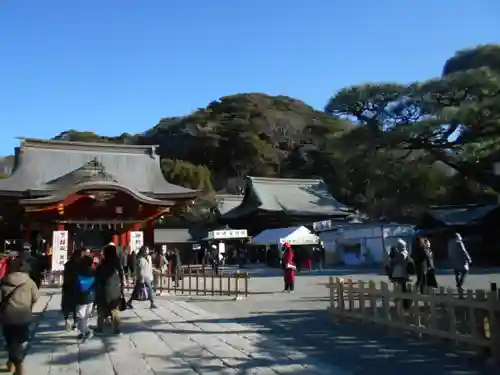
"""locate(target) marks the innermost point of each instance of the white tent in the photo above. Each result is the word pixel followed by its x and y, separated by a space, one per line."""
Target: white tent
pixel 292 235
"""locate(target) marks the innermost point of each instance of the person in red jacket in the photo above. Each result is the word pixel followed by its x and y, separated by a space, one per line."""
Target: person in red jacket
pixel 288 267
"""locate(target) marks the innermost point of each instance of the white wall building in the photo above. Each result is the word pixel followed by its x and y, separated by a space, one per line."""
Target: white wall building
pixel 359 243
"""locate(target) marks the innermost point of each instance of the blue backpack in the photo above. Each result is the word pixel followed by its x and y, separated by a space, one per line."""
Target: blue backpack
pixel 85 283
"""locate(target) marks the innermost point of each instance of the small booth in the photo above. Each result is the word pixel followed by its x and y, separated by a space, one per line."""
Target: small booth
pixel 360 243
pixel 270 240
pixel 229 244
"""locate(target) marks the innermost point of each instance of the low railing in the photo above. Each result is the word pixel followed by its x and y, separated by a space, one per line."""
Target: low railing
pixel 473 319
pixel 190 280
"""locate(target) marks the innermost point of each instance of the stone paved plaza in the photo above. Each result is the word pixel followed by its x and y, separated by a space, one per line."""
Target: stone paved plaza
pixel 268 333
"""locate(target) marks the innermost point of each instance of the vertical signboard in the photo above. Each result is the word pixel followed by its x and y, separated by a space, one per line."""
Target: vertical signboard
pixel 59 249
pixel 136 241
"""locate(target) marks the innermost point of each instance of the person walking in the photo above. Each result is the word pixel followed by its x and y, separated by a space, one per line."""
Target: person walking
pixel 109 289
pixel 400 263
pixel 68 303
pixel 18 294
pixel 160 263
pixel 424 264
pixel 460 261
pixel 176 266
pixel 84 292
pixel 288 268
pixel 144 278
pixel 131 265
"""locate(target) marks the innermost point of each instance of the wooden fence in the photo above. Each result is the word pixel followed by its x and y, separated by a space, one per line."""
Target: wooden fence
pixel 473 319
pixel 196 280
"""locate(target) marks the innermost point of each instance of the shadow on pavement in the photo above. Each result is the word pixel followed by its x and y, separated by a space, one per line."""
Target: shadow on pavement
pixel 356 348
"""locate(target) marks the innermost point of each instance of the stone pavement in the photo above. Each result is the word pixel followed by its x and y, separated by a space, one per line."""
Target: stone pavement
pixel 176 338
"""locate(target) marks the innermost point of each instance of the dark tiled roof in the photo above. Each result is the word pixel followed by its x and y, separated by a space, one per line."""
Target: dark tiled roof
pixel 300 197
pixel 41 166
pixel 95 185
pixel 226 202
pixel 180 235
pixel 460 215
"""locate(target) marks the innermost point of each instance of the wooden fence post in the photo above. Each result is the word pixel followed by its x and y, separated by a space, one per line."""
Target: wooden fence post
pixel 493 316
pixel 237 287
pixel 372 290
pixel 350 294
pixel 198 281
pixel 361 296
pixel 386 301
pixel 332 287
pixel 246 284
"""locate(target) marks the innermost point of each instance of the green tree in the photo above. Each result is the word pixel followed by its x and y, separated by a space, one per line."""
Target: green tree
pixel 454 118
pixel 187 175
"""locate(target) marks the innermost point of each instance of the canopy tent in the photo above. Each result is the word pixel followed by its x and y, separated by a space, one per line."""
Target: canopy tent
pixel 292 235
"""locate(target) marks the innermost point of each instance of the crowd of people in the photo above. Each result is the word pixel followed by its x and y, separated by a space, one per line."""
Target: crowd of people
pixel 90 285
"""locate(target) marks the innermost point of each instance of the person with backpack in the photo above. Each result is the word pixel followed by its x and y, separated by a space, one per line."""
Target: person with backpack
pixel 85 293
pixel 18 294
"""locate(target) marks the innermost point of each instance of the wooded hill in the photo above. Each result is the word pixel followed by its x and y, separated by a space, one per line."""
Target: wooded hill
pixel 393 158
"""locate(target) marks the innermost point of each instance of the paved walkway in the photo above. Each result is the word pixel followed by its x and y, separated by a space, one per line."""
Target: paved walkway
pixel 173 339
pixel 182 337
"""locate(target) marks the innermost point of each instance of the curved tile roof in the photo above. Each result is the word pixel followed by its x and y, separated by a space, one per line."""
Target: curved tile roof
pixel 40 164
pixel 95 185
pixel 301 197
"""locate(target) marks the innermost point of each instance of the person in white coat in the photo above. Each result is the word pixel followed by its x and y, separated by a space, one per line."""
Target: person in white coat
pixel 398 262
pixel 144 277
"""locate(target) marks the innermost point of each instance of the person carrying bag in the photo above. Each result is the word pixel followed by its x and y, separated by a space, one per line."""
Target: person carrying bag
pixel 18 293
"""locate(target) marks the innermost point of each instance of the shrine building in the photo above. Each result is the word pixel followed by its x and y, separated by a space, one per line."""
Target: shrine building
pixel 90 193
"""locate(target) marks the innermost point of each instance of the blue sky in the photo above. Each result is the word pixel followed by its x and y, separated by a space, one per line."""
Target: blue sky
pixel 114 66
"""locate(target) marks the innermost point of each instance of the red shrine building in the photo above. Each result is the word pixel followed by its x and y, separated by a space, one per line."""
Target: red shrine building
pixel 86 194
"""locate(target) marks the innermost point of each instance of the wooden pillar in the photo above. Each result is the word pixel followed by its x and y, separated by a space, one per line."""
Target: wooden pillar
pixel 26 234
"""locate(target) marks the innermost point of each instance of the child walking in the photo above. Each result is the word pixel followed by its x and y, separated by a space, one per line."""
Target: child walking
pixel 85 291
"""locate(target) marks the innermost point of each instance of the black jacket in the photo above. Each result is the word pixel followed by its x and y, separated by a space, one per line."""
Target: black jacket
pixel 68 300
pixel 109 277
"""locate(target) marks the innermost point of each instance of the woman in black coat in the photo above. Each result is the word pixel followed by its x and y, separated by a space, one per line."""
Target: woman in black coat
pixel 176 266
pixel 68 303
pixel 110 284
pixel 424 264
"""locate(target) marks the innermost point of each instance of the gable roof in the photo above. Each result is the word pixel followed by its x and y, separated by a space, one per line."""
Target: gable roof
pixel 300 197
pixel 226 202
pixel 42 165
pixel 460 215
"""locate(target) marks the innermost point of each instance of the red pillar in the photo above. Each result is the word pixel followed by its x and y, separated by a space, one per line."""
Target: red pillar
pixel 60 227
pixel 123 239
pixel 115 239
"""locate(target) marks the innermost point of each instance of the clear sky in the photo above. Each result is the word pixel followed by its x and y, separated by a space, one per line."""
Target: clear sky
pixel 114 66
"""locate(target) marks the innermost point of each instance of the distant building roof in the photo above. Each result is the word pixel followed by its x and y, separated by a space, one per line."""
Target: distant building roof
pixel 44 167
pixel 460 215
pixel 298 197
pixel 226 202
